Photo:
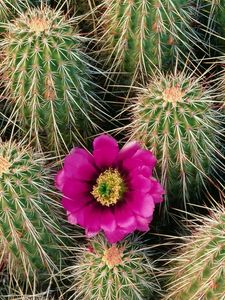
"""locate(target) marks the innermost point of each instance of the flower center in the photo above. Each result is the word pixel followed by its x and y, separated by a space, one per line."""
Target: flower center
pixel 173 94
pixel 113 256
pixel 38 24
pixel 109 188
pixel 4 165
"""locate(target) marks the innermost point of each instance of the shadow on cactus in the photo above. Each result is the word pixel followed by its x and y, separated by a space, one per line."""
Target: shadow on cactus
pixel 143 35
pixel 119 271
pixel 47 80
pixel 198 269
pixel 88 13
pixel 214 24
pixel 174 117
pixel 30 237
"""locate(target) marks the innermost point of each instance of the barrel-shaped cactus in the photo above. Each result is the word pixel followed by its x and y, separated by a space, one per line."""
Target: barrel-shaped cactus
pixel 122 271
pixel 29 231
pixel 142 35
pixel 48 80
pixel 173 117
pixel 198 269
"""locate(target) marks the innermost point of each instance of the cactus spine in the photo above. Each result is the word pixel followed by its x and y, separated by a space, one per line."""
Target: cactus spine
pixel 143 35
pixel 173 117
pixel 29 234
pixel 121 271
pixel 198 271
pixel 10 8
pixel 214 23
pixel 88 11
pixel 48 79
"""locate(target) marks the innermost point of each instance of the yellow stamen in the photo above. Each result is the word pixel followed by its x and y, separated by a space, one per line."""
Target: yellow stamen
pixel 109 188
pixel 4 165
pixel 173 95
pixel 113 256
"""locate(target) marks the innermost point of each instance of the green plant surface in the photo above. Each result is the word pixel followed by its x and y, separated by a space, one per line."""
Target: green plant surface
pixel 47 80
pixel 30 236
pixel 10 8
pixel 173 117
pixel 141 36
pixel 198 269
pixel 122 271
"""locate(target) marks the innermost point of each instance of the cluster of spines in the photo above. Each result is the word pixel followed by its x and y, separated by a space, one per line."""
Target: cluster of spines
pixel 174 118
pixel 29 231
pixel 48 80
pixel 144 35
pixel 10 8
pixel 119 271
pixel 198 269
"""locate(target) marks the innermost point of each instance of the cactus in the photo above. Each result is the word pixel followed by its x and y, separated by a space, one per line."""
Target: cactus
pixel 29 232
pixel 173 117
pixel 9 9
pixel 120 271
pixel 143 35
pixel 198 270
pixel 48 80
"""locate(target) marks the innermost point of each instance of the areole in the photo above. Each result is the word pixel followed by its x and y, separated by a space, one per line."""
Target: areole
pixel 4 165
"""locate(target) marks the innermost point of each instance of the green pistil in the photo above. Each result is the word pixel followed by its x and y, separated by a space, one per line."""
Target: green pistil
pixel 104 189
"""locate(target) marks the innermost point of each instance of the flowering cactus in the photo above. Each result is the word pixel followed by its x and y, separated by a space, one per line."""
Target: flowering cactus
pixel 109 190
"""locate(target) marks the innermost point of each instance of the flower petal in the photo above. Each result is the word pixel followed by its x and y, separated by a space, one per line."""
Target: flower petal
pixel 82 214
pixel 59 179
pixel 140 183
pixel 141 158
pixel 128 150
pixel 72 218
pixel 108 221
pixel 116 235
pixel 92 218
pixel 105 151
pixel 78 166
pixel 143 170
pixel 73 205
pixel 73 187
pixel 125 218
pixel 142 204
pixel 143 223
pixel 157 191
pixel 84 153
pixel 146 156
pixel 90 233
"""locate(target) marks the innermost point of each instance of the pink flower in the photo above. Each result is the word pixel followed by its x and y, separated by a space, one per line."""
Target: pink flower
pixel 111 190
